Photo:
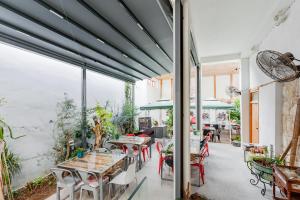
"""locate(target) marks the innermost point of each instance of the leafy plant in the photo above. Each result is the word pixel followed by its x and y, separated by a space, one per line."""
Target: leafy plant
pixel 125 120
pixel 169 122
pixel 67 120
pixel 10 163
pixel 105 118
pixel 235 114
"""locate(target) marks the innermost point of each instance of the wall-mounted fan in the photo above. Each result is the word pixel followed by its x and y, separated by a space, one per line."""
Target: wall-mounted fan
pixel 278 66
pixel 281 68
pixel 233 91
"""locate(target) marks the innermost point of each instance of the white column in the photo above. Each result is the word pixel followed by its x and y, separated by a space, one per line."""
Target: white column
pixel 181 54
pixel 186 97
pixel 245 100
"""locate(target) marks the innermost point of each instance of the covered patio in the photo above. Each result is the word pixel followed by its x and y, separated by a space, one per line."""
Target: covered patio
pixel 90 144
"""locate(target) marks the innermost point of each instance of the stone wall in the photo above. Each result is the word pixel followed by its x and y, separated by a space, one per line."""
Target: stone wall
pixel 290 95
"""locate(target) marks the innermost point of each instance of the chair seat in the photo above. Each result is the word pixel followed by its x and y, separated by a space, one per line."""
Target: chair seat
pixel 121 179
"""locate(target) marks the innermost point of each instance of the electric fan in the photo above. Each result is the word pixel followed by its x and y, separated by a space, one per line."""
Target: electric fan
pixel 278 66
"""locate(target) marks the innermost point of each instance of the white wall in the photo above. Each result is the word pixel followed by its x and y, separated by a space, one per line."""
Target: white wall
pixel 284 38
pixel 32 85
pixel 269 116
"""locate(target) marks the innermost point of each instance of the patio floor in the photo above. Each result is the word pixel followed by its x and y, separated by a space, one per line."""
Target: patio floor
pixel 227 178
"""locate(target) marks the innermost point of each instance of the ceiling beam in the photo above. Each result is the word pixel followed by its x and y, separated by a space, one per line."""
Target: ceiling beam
pixel 144 29
pixel 59 33
pixel 49 53
pixel 18 29
pixel 105 42
pixel 99 16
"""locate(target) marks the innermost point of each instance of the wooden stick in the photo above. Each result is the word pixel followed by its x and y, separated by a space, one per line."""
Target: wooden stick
pixel 286 151
pixel 296 134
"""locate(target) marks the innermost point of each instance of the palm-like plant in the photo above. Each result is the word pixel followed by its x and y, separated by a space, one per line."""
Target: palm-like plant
pixel 10 163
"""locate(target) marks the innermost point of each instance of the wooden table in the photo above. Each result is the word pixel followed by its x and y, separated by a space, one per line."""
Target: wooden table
pixel 99 163
pixel 134 140
pixel 288 181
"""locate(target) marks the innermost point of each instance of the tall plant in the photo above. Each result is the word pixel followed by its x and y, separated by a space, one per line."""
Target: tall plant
pixel 169 122
pixel 10 163
pixel 67 118
pixel 126 119
pixel 235 114
pixel 105 119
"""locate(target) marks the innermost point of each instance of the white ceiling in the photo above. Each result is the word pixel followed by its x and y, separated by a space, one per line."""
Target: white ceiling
pixel 224 27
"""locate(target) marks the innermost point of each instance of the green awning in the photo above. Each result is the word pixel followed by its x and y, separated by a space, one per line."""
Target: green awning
pixel 206 104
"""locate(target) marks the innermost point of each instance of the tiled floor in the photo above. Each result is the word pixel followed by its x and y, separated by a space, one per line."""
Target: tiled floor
pixel 226 178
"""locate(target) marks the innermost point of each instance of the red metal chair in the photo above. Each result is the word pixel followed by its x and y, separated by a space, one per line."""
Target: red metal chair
pixel 159 147
pixel 144 147
pixel 200 165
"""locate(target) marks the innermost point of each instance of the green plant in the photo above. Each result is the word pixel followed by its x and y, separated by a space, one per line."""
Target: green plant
pixel 105 119
pixel 169 122
pixel 235 114
pixel 67 120
pixel 237 138
pixel 10 163
pixel 125 120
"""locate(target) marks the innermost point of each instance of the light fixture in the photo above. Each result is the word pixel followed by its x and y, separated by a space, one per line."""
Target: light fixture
pixel 140 26
pixel 124 55
pixel 100 40
pixel 55 13
pixel 157 45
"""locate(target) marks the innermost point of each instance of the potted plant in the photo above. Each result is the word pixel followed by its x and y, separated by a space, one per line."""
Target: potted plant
pixel 236 141
pixel 79 152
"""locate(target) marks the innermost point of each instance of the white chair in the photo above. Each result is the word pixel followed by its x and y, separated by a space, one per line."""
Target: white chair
pixel 90 183
pixel 65 180
pixel 125 177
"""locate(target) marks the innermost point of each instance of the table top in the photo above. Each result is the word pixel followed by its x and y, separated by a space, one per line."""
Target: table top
pixel 131 140
pixel 95 162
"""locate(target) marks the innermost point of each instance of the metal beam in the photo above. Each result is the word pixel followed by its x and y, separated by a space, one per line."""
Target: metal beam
pixel 82 28
pixel 57 32
pixel 143 28
pixel 98 15
pixel 83 107
pixel 41 50
pixel 178 101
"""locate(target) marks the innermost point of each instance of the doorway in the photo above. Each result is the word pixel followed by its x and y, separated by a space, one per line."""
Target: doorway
pixel 254 117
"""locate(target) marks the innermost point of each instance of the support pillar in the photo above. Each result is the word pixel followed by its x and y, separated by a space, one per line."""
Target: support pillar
pixel 181 31
pixel 133 105
pixel 83 106
pixel 245 100
pixel 198 98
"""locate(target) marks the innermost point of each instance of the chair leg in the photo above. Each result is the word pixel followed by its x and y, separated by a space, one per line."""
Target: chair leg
pixel 81 191
pixel 109 186
pixel 72 193
pixel 143 152
pixel 96 193
pixel 57 193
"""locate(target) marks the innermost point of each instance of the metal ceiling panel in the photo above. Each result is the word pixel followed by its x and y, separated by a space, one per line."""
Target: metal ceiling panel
pixel 112 37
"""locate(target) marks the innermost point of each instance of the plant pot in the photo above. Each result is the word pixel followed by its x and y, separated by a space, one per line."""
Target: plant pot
pixel 236 143
pixel 265 171
pixel 117 136
pixel 80 154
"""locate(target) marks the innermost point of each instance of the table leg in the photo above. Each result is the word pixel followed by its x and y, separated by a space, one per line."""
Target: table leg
pixel 101 187
pixel 140 157
pixel 150 149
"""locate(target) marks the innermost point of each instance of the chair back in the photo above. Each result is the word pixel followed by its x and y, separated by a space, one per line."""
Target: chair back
pixel 130 134
pixel 158 146
pixel 63 176
pixel 87 176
